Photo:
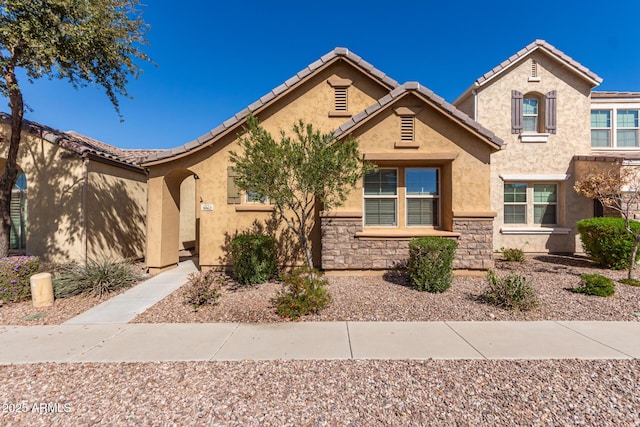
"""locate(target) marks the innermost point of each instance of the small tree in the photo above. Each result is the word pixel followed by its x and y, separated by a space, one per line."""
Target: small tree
pixel 82 41
pixel 619 191
pixel 297 172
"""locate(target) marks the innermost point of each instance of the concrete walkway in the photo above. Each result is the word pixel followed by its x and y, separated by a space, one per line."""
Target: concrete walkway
pixel 124 307
pixel 319 340
pixel 102 334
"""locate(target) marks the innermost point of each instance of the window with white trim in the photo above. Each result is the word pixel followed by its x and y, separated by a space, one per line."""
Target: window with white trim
pixel 381 198
pixel 530 114
pixel 614 128
pixel 253 197
pixel 530 203
pixel 422 196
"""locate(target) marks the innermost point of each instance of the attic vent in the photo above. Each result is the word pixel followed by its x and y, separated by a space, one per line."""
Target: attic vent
pixel 406 128
pixel 341 98
pixel 534 69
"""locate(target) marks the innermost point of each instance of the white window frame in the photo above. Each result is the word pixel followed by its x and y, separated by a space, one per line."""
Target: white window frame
pixel 530 204
pixel 613 128
pixel 431 197
pixel 381 196
pixel 536 116
pixel 264 201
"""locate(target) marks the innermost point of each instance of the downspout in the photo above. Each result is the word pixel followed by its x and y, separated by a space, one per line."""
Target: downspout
pixel 83 213
pixel 475 105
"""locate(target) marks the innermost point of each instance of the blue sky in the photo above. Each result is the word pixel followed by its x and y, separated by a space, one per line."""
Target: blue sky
pixel 216 57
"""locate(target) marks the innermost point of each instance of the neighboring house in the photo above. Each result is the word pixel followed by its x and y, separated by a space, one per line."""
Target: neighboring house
pixel 538 101
pixel 433 174
pixel 76 198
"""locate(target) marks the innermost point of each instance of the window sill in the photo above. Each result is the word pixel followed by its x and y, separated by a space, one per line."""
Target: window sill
pixel 403 234
pixel 534 137
pixel 340 114
pixel 254 208
pixel 535 230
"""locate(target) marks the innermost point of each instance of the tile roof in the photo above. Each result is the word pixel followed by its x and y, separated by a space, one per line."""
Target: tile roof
pixel 431 97
pixel 603 94
pixel 238 118
pixel 547 47
pixel 83 145
pixel 613 156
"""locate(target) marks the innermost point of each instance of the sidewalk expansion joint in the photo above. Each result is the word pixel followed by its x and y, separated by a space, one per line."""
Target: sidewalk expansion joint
pixel 225 342
pixel 465 340
pixel 125 326
pixel 594 340
pixel 349 340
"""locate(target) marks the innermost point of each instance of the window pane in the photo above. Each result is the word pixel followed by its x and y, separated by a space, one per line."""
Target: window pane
pixel 627 118
pixel 422 212
pixel 382 182
pixel 422 182
pixel 544 214
pixel 600 138
pixel 515 193
pixel 380 212
pixel 545 193
pixel 600 118
pixel 627 138
pixel 529 124
pixel 515 214
pixel 21 182
pixel 530 106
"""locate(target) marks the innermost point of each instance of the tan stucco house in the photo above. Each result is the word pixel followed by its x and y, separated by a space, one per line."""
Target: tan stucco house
pixel 76 198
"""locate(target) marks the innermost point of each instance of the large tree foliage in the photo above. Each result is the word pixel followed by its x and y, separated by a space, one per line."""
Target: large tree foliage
pixel 618 191
pixel 297 172
pixel 81 41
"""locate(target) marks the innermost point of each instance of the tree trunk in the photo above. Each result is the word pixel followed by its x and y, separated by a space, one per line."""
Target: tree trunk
pixel 634 254
pixel 8 178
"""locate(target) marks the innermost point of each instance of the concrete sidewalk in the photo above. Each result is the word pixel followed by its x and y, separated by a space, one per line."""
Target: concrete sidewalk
pixel 124 307
pixel 319 340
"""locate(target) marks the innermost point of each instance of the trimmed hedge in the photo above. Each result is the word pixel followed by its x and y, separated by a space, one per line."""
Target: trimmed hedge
pixel 253 258
pixel 431 263
pixel 607 242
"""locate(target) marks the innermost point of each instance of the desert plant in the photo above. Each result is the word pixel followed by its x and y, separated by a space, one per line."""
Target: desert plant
pixel 304 291
pixel 513 254
pixel 512 292
pixel 95 277
pixel 607 241
pixel 14 277
pixel 595 284
pixel 201 289
pixel 253 258
pixel 431 263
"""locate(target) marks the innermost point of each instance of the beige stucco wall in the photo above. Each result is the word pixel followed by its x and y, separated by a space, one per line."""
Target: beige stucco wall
pixel 54 226
pixel 464 181
pixel 552 157
pixel 115 212
pixel 312 102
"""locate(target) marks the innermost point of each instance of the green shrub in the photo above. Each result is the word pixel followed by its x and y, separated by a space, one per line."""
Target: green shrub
pixel 15 272
pixel 303 292
pixel 630 282
pixel 512 292
pixel 96 277
pixel 607 242
pixel 201 289
pixel 513 254
pixel 595 284
pixel 431 263
pixel 253 258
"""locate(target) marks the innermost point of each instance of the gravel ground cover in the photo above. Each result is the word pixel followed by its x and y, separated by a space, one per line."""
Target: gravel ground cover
pixel 324 393
pixel 388 298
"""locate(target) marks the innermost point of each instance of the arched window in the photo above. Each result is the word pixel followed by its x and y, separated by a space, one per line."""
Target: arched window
pixel 18 238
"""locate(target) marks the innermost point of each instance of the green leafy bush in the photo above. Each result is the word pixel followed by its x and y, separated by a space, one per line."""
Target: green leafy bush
pixel 253 258
pixel 512 292
pixel 15 272
pixel 95 277
pixel 607 242
pixel 431 263
pixel 201 289
pixel 513 254
pixel 304 291
pixel 595 284
pixel 630 282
